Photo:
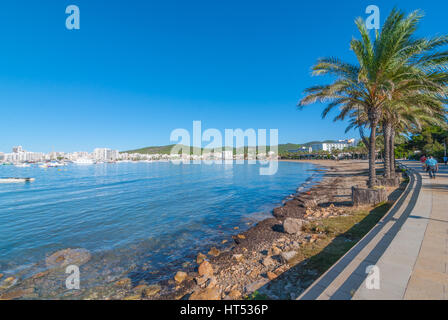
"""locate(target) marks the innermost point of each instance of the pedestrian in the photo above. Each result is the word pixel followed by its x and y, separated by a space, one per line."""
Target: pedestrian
pixel 445 159
pixel 423 161
pixel 432 167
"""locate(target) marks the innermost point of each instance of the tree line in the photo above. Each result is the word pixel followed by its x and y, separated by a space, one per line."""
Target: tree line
pixel 397 87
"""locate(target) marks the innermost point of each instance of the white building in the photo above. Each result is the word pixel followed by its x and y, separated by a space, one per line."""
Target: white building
pixel 227 155
pixel 17 149
pixel 104 154
pixel 329 146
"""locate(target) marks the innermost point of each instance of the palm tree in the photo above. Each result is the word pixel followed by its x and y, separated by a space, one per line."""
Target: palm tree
pixel 393 69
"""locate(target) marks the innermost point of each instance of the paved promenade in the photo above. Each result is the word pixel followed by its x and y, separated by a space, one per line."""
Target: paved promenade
pixel 409 246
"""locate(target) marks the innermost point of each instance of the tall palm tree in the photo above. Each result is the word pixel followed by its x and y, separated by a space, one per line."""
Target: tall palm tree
pixel 390 67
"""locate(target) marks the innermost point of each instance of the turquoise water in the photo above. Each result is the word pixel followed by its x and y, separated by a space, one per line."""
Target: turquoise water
pixel 134 216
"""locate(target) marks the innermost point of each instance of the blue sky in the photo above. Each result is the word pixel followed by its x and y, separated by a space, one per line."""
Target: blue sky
pixel 136 69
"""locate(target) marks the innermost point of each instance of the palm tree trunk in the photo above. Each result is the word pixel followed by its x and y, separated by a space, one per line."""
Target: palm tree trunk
pixel 387 130
pixel 374 119
pixel 392 153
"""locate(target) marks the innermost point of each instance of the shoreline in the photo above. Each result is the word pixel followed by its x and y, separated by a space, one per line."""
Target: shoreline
pixel 259 254
pixel 251 262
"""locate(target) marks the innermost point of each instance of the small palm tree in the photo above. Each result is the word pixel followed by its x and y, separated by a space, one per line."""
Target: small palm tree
pixel 393 69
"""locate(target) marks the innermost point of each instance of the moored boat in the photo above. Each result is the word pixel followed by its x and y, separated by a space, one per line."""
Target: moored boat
pixel 16 180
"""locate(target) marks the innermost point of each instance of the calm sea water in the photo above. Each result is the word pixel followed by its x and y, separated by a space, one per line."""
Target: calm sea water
pixel 134 216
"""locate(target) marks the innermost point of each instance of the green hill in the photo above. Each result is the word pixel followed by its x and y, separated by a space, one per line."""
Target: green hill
pixel 282 148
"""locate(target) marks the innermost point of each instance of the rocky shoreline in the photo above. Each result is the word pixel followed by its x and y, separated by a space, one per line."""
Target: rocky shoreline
pixel 250 267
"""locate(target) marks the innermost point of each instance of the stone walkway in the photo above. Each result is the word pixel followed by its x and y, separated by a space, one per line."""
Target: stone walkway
pixel 409 247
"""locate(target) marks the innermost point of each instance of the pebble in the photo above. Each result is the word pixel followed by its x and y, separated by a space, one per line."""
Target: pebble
pixel 267 262
pixel 206 294
pixel 200 258
pixel 152 290
pixel 123 282
pixel 271 275
pixel 288 256
pixel 234 295
pixel 238 257
pixel 214 252
pixel 276 250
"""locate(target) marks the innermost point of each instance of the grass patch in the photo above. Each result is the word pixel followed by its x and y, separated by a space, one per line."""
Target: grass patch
pixel 257 296
pixel 336 236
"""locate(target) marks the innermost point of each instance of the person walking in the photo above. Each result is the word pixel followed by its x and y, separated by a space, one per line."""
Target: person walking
pixel 432 167
pixel 423 161
pixel 445 159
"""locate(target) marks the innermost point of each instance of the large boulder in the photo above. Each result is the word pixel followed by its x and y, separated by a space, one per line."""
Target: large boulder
pixel 180 276
pixel 66 257
pixel 292 225
pixel 205 269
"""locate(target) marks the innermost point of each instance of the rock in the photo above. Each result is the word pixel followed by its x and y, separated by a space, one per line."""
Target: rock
pixel 63 258
pixel 201 257
pixel 123 282
pixel 212 293
pixel 271 275
pixel 8 283
pixel 238 257
pixel 15 294
pixel 292 226
pixel 281 269
pixel 40 274
pixel 205 269
pixel 268 262
pixel 200 281
pixel 180 276
pixel 254 286
pixel 288 256
pixel 254 273
pixel 211 282
pixel 152 290
pixel 140 288
pixel 214 252
pixel 234 295
pixel 276 250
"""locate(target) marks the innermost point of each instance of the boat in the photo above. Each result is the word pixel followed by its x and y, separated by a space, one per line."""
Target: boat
pixel 83 161
pixel 22 165
pixel 16 180
pixel 55 164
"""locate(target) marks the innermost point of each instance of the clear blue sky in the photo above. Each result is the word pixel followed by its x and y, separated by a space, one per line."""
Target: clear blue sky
pixel 136 69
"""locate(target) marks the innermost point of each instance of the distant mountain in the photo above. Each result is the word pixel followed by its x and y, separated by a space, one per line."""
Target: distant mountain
pixel 282 148
pixel 157 150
